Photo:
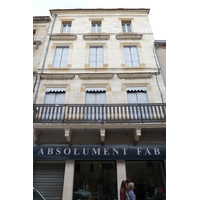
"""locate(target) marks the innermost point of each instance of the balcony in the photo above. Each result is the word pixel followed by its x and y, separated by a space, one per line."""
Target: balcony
pixel 99 113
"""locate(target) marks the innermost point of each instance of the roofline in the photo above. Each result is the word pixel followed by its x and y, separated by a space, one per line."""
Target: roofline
pixel 160 42
pixel 100 9
pixel 41 19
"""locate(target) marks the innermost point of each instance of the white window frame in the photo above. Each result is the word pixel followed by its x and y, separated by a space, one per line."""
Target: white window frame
pixel 96 27
pixel 127 27
pixel 63 57
pixel 95 59
pixel 131 56
pixel 66 27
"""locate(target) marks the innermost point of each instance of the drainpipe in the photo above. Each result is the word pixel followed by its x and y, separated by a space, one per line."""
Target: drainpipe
pixel 160 65
pixel 44 58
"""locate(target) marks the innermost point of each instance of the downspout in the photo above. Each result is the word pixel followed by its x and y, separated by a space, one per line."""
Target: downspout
pixel 36 93
pixel 160 65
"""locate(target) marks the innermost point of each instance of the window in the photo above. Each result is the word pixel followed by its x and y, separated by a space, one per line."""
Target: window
pixel 66 27
pixel 96 27
pixel 126 27
pixel 60 57
pixel 131 56
pixel 96 57
pixel 55 96
pixel 148 177
pixel 95 96
pixel 138 95
pixel 95 180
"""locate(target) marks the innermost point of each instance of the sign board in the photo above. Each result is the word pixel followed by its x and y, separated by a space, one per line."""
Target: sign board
pixel 99 152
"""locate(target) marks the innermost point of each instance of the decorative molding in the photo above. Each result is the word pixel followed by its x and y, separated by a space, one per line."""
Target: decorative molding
pixel 134 75
pixel 57 76
pixel 35 135
pixel 136 134
pixel 43 19
pixel 96 75
pixel 68 134
pixel 96 36
pixel 63 36
pixel 37 43
pixel 129 36
pixel 102 134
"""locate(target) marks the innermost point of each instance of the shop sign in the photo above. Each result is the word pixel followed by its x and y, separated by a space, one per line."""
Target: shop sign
pixel 99 152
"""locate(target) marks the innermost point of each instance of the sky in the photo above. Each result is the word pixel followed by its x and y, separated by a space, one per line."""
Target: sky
pixel 157 14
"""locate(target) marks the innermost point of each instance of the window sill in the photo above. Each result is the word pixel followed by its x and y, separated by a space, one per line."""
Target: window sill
pixel 63 36
pixel 96 36
pixel 57 76
pixel 134 75
pixel 129 36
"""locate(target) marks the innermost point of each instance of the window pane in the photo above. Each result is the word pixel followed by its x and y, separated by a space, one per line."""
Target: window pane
pixel 148 178
pixel 95 180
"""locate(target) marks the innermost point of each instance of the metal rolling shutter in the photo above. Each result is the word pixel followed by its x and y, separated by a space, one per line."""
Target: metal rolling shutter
pixel 48 179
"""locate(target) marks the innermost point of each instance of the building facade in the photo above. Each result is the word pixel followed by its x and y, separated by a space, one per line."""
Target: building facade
pixel 99 113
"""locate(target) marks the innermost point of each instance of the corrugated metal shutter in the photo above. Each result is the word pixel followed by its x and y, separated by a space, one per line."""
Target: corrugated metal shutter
pixel 48 179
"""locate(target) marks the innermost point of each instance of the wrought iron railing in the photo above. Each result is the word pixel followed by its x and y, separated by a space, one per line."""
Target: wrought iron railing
pixel 99 113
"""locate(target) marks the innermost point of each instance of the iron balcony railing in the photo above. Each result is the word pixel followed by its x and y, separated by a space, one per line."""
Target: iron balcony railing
pixel 99 113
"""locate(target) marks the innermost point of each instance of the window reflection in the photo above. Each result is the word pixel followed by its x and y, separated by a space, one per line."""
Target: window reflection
pixel 149 179
pixel 95 180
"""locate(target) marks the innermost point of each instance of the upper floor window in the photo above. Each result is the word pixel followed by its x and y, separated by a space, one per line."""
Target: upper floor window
pixel 66 27
pixel 131 56
pixel 61 57
pixel 126 27
pixel 96 57
pixel 96 27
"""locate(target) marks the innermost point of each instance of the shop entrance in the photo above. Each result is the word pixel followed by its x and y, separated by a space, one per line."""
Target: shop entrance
pixel 95 180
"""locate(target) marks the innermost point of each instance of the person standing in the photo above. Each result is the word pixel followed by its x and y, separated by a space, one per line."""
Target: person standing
pixel 131 193
pixel 123 190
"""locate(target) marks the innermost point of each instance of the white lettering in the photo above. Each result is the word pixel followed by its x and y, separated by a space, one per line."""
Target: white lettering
pixel 139 151
pixel 124 150
pixel 156 151
pixel 58 151
pixel 94 151
pixel 75 153
pixel 41 152
pixel 106 151
pixel 84 151
pixel 50 151
pixel 147 152
pixel 116 151
pixel 69 151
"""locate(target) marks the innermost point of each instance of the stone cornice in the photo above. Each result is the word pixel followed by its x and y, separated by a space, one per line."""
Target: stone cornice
pixel 57 76
pixel 129 36
pixel 41 19
pixel 96 36
pixel 96 75
pixel 134 75
pixel 63 36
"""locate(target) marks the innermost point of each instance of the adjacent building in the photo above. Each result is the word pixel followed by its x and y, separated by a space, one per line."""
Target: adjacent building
pixel 99 112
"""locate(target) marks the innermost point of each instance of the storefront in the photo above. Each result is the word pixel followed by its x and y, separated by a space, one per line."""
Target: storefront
pixel 96 171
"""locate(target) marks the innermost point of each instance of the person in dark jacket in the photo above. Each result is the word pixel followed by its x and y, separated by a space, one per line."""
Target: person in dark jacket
pixel 131 193
pixel 123 190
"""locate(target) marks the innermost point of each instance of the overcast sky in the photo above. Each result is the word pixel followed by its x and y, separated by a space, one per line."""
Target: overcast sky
pixel 157 14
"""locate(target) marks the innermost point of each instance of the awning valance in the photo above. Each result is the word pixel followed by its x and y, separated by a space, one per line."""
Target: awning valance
pixel 55 90
pixel 136 89
pixel 95 90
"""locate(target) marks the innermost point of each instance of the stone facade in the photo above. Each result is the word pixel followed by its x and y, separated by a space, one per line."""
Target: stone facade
pixel 114 76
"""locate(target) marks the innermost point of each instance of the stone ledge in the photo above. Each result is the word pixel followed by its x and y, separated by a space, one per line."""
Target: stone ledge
pixel 129 36
pixel 37 43
pixel 96 75
pixel 63 36
pixel 57 76
pixel 96 36
pixel 134 75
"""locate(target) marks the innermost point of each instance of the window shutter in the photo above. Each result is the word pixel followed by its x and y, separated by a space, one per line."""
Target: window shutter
pixel 64 57
pixel 92 57
pixel 134 56
pixel 57 57
pixel 123 28
pixel 128 27
pixel 127 57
